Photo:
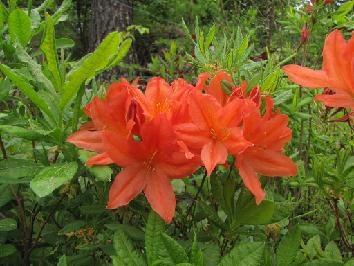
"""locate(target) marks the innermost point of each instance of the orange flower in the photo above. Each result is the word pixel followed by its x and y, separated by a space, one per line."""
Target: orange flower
pixel 269 134
pixel 109 112
pixel 214 129
pixel 149 165
pixel 337 72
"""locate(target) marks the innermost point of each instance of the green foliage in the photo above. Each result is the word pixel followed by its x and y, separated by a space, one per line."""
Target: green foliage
pixel 243 254
pixel 52 177
pixel 19 26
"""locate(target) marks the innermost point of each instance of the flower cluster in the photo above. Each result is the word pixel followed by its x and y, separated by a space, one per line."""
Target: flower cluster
pixel 169 131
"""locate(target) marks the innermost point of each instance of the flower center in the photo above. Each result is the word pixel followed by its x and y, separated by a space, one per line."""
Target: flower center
pixel 149 162
pixel 221 135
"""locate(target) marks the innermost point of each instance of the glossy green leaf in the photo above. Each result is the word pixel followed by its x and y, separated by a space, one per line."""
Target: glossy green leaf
pixel 21 132
pixel 52 177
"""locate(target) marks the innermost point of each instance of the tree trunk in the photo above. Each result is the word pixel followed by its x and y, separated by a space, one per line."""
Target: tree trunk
pixel 108 16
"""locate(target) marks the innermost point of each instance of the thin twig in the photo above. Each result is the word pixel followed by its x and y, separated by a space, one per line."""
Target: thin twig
pixel 191 207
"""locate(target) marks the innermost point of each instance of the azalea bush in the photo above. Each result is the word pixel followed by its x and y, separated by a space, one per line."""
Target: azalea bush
pixel 223 155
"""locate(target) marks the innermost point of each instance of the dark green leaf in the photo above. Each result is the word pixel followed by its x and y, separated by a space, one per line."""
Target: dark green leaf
pixel 13 171
pixel 288 247
pixel 7 224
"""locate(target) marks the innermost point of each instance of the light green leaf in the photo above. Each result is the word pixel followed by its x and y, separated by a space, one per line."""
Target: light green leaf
pixel 288 247
pixel 123 50
pixel 19 26
pixel 132 232
pixel 270 82
pixel 7 225
pixel 50 52
pixel 244 254
pixel 125 252
pixel 52 177
pixel 13 171
pixel 89 67
pixel 101 172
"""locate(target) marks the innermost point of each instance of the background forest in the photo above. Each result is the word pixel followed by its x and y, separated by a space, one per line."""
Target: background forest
pixel 59 56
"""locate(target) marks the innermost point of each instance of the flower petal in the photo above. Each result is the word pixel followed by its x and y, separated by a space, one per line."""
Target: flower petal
pixel 212 154
pixel 122 151
pixel 307 77
pixel 160 195
pixel 336 100
pixel 250 179
pixel 99 159
pixel 215 88
pixel 87 139
pixel 270 163
pixel 126 186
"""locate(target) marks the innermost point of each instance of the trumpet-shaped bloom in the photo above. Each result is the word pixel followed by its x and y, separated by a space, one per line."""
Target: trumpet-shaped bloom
pixel 337 72
pixel 149 165
pixel 108 113
pixel 214 129
pixel 269 134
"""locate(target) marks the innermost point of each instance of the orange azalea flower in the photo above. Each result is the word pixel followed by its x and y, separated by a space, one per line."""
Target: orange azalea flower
pixel 215 88
pixel 337 72
pixel 109 112
pixel 214 129
pixel 161 98
pixel 269 134
pixel 149 165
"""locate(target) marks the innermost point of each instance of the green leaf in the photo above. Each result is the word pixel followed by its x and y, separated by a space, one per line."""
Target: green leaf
pixel 302 115
pixel 13 171
pixel 196 254
pixel 5 194
pixel 244 254
pixel 72 227
pixel 6 250
pixel 7 225
pixel 248 212
pixel 19 26
pixel 21 132
pixel 132 232
pixel 50 52
pixel 270 82
pixel 125 253
pixel 27 89
pixel 35 69
pixel 175 251
pixel 62 261
pixel 288 247
pixel 5 87
pixel 332 251
pixel 52 177
pixel 63 43
pixel 89 67
pixel 211 214
pixel 101 172
pixel 324 262
pixel 154 227
pixel 123 50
